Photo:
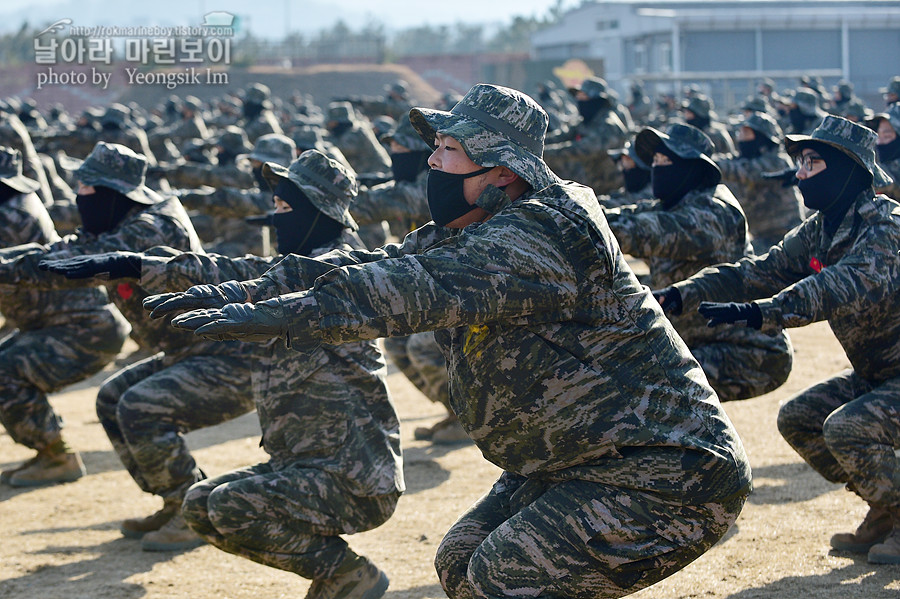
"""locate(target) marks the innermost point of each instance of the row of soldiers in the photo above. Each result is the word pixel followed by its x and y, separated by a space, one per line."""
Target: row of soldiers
pixel 685 220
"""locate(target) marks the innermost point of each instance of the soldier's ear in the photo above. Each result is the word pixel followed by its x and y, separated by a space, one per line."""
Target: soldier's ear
pixel 506 177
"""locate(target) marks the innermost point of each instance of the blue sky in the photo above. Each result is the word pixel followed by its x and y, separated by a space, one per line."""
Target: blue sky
pixel 306 15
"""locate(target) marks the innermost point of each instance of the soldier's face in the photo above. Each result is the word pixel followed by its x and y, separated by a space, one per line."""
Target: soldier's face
pixel 450 157
pixel 85 190
pixel 626 163
pixel 886 133
pixel 281 206
pixel 809 164
pixel 745 134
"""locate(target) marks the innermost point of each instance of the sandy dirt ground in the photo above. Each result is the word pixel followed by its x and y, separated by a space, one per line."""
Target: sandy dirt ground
pixel 63 541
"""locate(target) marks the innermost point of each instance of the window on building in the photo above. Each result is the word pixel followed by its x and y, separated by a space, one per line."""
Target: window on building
pixel 664 55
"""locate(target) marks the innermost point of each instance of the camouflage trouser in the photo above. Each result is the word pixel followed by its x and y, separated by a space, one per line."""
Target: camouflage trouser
pixel 847 429
pixel 741 372
pixel 35 363
pixel 574 539
pixel 287 518
pixel 420 359
pixel 146 407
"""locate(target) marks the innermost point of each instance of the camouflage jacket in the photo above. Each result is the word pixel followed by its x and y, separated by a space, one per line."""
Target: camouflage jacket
pixel 851 280
pixel 264 123
pixel 706 227
pixel 561 365
pixel 162 224
pixel 402 203
pixel 193 175
pixel 720 137
pixel 621 197
pixel 772 209
pixel 605 132
pixel 328 409
pixel 893 169
pixel 362 150
pixel 24 220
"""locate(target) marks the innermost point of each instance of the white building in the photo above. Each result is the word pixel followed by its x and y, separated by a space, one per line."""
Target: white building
pixel 727 47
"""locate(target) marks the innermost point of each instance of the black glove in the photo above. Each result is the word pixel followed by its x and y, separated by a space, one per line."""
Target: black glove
pixel 263 220
pixel 788 176
pixel 243 322
pixel 198 296
pixel 670 300
pixel 115 265
pixel 748 314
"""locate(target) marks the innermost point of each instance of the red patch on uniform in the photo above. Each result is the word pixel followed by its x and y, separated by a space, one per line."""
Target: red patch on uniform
pixel 815 264
pixel 125 290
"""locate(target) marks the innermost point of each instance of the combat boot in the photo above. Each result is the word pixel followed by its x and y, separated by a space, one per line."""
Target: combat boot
pixel 56 463
pixel 7 474
pixel 445 432
pixel 175 535
pixel 356 578
pixel 136 528
pixel 875 527
pixel 888 551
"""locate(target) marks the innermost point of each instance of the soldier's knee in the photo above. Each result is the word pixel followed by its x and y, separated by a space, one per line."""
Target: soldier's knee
pixel 787 419
pixel 194 506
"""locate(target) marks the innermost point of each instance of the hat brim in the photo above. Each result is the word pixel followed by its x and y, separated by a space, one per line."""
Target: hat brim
pixel 140 193
pixel 483 145
pixel 21 183
pixel 273 173
pixel 648 140
pixel 794 144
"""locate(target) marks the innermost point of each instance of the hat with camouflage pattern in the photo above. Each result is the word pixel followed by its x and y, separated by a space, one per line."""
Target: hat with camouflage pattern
pixel 324 181
pixel 235 140
pixel 405 135
pixel 11 171
pixel 257 93
pixel 893 87
pixel 496 126
pixel 115 166
pixel 630 151
pixel 593 87
pixel 308 137
pixel 382 125
pixel 700 105
pixel 115 114
pixel 272 147
pixel 764 125
pixel 686 141
pixel 855 140
pixel 858 110
pixel 808 102
pixel 341 112
pixel 892 116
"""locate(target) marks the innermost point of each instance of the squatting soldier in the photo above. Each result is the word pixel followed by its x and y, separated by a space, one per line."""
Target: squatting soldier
pixel 257 118
pixel 887 126
pixel 635 173
pixel 581 153
pixel 563 369
pixel 60 337
pixel 696 222
pixel 327 420
pixel 772 209
pixel 841 265
pixel 403 203
pixel 698 112
pixel 146 407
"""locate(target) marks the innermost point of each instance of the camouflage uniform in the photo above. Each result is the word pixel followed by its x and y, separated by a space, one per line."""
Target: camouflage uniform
pixel 328 425
pixel 846 427
pixel 15 135
pixel 622 196
pixel 702 107
pixel 258 118
pixel 772 209
pixel 892 167
pixel 620 464
pixel 146 407
pixel 60 337
pixel 581 153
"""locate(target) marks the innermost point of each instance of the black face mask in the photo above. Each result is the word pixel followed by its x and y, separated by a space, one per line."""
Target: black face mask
pixel 889 151
pixel 672 182
pixel 798 119
pixel 446 200
pixel 832 190
pixel 305 227
pixel 340 129
pixel 406 166
pixel 698 122
pixel 749 148
pixel 7 193
pixel 252 110
pixel 260 180
pixel 636 179
pixel 589 108
pixel 102 210
pixel 225 157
